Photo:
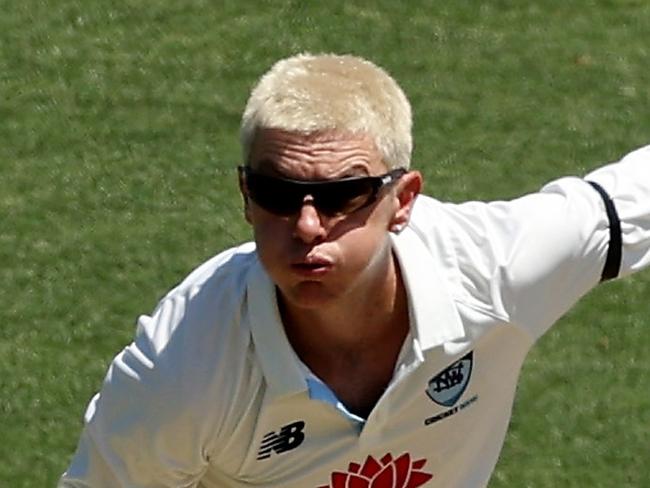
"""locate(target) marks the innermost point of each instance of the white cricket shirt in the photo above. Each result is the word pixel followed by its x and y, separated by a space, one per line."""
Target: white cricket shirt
pixel 211 394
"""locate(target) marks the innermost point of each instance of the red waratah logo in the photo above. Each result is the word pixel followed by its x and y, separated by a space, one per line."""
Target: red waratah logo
pixel 400 472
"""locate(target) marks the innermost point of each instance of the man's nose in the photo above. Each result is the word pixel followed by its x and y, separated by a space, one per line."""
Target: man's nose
pixel 309 226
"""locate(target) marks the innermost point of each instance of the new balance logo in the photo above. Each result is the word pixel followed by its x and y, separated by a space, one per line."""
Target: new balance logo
pixel 289 437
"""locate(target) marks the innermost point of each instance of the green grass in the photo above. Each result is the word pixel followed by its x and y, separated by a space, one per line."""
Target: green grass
pixel 118 123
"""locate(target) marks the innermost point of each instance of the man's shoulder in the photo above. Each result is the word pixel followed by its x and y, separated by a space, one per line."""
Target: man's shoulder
pixel 226 268
pixel 424 206
pixel 432 223
pixel 206 303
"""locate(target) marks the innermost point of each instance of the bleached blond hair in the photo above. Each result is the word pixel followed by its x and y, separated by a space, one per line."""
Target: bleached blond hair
pixel 312 93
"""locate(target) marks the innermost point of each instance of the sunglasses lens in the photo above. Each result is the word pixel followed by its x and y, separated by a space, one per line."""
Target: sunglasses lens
pixel 343 197
pixel 274 195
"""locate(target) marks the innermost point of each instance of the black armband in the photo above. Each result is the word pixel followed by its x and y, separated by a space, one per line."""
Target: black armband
pixel 614 252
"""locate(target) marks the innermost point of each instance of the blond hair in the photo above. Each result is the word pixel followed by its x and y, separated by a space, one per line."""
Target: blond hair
pixel 312 93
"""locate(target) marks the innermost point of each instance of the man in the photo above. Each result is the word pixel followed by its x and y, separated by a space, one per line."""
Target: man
pixel 370 336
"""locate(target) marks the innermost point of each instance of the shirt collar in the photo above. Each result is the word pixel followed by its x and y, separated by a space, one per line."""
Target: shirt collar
pixel 279 362
pixel 433 314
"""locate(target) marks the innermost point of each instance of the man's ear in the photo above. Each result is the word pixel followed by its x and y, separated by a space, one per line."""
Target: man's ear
pixel 244 193
pixel 407 188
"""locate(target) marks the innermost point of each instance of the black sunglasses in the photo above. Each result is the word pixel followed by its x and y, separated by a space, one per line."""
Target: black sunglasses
pixel 284 196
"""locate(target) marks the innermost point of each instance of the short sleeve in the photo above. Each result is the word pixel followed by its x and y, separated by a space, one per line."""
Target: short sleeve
pixel 167 400
pixel 143 428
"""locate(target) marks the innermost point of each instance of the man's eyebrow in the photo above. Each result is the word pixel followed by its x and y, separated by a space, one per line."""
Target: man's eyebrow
pixel 354 171
pixel 265 166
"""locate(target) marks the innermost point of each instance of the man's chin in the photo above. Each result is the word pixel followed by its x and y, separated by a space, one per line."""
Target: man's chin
pixel 309 295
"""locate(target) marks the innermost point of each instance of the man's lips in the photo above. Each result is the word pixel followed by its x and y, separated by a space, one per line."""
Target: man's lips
pixel 312 266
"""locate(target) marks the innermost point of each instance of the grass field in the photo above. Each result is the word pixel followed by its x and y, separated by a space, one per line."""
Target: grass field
pixel 118 130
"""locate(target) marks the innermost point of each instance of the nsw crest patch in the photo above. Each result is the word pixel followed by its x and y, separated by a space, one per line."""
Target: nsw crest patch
pixel 447 386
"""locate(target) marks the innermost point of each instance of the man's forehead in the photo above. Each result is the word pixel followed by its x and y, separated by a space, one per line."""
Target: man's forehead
pixel 336 147
pixel 312 136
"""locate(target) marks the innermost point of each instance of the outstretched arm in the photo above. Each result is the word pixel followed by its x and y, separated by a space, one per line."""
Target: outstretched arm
pixel 529 260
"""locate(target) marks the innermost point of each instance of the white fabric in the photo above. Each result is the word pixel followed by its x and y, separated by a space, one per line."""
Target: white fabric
pixel 211 374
